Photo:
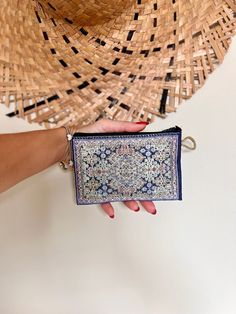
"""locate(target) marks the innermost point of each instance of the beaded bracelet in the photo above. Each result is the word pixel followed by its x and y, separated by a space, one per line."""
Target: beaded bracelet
pixel 64 164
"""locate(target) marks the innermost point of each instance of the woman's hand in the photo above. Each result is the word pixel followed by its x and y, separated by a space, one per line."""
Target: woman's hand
pixel 107 125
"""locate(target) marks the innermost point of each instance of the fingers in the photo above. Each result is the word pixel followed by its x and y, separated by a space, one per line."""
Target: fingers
pixel 132 205
pixel 107 125
pixel 121 126
pixel 149 207
pixel 108 208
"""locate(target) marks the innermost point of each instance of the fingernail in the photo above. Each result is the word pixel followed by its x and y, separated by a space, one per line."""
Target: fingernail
pixel 142 122
pixel 111 216
pixel 136 210
pixel 154 213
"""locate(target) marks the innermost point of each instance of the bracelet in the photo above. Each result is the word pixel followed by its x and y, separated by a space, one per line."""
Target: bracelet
pixel 64 164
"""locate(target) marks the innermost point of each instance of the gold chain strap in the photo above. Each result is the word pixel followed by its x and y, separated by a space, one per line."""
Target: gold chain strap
pixel 64 164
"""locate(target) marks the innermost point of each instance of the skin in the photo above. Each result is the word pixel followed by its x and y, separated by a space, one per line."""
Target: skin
pixel 46 147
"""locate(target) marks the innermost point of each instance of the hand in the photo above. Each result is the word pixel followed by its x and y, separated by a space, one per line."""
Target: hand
pixel 107 125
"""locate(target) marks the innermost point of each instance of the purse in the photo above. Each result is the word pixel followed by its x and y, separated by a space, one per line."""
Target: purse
pixel 116 167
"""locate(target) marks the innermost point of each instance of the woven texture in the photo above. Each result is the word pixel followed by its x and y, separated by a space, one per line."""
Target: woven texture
pixel 144 166
pixel 73 62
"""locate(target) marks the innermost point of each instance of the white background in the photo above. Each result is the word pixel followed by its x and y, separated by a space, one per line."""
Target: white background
pixel 60 258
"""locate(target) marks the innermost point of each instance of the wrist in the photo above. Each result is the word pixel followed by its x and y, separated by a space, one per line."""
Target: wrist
pixel 63 151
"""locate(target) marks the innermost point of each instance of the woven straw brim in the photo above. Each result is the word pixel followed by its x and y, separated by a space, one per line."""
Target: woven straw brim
pixel 73 62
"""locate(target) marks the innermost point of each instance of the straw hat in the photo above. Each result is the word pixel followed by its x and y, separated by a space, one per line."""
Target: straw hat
pixel 71 62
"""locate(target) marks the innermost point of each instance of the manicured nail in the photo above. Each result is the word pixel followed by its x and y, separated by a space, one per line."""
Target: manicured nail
pixel 154 213
pixel 111 216
pixel 142 122
pixel 136 210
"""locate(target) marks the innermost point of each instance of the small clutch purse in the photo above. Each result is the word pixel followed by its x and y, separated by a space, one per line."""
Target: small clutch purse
pixel 115 167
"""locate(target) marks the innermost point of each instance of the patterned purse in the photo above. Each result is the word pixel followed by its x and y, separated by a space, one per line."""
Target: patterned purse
pixel 111 167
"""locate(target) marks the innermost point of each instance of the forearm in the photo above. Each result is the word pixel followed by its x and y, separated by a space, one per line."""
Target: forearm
pixel 25 154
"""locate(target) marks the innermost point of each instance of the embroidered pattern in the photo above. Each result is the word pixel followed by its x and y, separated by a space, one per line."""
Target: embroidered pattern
pixel 127 167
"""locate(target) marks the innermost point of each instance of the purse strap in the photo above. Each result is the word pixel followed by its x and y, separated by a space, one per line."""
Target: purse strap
pixel 191 139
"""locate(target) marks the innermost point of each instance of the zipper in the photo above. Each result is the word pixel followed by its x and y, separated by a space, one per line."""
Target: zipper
pixel 169 130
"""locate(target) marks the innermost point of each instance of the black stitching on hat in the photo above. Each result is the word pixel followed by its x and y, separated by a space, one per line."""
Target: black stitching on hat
pixel 125 50
pixel 130 35
pixel 168 77
pixel 136 16
pixel 76 75
pixel 115 61
pixel 157 78
pixel 171 61
pixel 100 42
pixel 83 85
pixel 38 17
pixel 126 107
pixel 171 46
pixel 66 39
pixel 113 101
pixel 74 50
pixel 162 108
pixel 97 91
pixel 51 6
pixel 99 117
pixel 156 49
pixel 144 52
pixel 197 34
pixel 116 73
pixel 63 63
pixel 133 77
pixel 53 21
pixel 88 61
pixel 45 35
pixel 54 97
pixel 70 91
pixel 155 22
pixel 116 49
pixel 83 31
pixel 104 71
pixel 68 20
pixel 124 90
pixel 37 104
pixel 175 16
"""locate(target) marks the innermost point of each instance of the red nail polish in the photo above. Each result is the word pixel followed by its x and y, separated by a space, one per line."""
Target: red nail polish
pixel 112 216
pixel 154 213
pixel 142 122
pixel 136 210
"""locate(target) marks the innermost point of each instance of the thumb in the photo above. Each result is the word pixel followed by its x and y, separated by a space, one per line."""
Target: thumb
pixel 107 125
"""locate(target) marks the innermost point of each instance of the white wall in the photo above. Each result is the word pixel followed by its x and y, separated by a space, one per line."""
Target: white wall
pixel 60 258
